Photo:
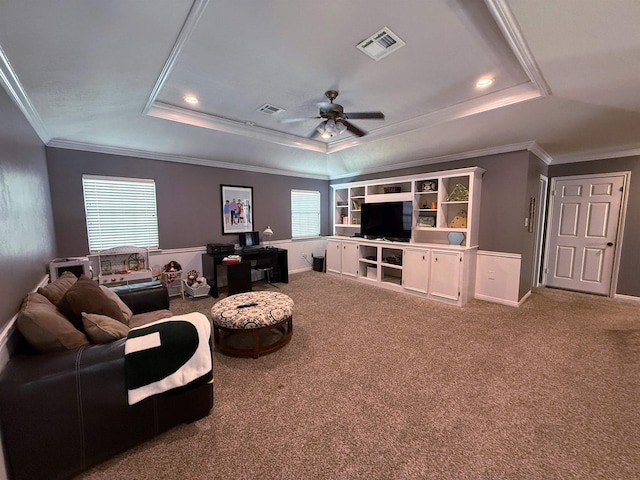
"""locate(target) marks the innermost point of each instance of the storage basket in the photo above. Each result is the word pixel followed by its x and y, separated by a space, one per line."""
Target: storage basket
pixel 196 292
pixel 173 281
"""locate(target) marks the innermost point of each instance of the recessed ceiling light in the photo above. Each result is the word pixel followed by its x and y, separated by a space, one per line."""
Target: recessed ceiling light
pixel 484 82
pixel 191 99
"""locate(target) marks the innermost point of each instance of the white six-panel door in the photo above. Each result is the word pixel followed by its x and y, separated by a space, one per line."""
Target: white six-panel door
pixel 585 214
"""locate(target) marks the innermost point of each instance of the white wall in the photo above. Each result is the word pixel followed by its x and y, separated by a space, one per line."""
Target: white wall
pixel 191 258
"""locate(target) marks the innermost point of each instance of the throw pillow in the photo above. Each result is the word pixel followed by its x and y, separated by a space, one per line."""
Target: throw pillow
pixel 103 329
pixel 54 292
pixel 44 327
pixel 126 311
pixel 86 296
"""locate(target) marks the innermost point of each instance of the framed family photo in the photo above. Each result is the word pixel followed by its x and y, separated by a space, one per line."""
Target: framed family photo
pixel 237 208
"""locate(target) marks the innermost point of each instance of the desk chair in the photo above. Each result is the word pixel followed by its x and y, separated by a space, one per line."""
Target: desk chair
pixel 266 263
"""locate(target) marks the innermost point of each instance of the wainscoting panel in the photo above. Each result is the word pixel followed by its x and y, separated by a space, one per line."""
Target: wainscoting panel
pixel 498 277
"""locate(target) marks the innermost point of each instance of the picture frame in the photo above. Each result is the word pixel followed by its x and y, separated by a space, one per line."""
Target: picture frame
pixel 240 218
pixel 429 186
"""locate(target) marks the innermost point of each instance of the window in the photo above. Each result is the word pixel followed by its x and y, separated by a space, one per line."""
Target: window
pixel 120 212
pixel 305 213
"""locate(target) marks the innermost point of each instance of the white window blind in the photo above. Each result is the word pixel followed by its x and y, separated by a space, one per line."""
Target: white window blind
pixel 120 212
pixel 305 213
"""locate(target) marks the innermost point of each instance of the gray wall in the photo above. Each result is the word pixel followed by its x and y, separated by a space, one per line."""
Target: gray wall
pixel 26 225
pixel 502 200
pixel 508 183
pixel 188 197
pixel 628 278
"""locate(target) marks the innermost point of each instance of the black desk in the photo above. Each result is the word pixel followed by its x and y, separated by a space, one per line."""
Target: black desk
pixel 211 262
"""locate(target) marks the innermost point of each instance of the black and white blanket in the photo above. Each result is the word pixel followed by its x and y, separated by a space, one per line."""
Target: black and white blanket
pixel 167 354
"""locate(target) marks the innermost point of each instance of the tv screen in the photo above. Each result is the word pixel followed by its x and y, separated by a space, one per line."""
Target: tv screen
pixel 390 220
pixel 249 239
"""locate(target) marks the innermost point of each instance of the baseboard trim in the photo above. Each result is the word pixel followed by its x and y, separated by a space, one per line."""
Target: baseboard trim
pixel 632 298
pixel 501 301
pixel 526 295
pixel 300 270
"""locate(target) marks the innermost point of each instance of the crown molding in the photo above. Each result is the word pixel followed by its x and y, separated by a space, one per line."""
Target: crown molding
pixel 483 152
pixel 503 98
pixel 212 122
pixel 596 155
pixel 128 152
pixel 511 30
pixel 12 85
pixel 541 153
pixel 188 27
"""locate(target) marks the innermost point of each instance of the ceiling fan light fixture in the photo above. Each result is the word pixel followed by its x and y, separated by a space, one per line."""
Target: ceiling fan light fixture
pixel 340 127
pixel 329 128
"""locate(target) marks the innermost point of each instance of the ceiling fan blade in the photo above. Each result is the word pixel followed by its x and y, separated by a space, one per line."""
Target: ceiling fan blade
pixel 353 129
pixel 365 115
pixel 296 120
pixel 315 132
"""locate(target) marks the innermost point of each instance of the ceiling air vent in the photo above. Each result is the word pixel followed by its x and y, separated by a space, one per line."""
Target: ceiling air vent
pixel 270 109
pixel 381 44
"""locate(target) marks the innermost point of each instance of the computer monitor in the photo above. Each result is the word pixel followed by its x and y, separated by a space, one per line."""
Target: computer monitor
pixel 249 239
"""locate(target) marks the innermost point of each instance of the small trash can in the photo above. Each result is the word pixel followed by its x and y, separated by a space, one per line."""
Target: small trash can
pixel 318 262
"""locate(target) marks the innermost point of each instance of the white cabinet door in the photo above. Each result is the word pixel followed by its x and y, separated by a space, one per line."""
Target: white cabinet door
pixel 350 259
pixel 334 256
pixel 415 271
pixel 445 274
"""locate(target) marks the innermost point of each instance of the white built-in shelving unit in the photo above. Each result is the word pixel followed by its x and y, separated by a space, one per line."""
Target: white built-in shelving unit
pixel 439 260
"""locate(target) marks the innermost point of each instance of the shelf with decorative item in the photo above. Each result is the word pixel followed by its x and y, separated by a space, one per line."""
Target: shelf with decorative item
pixel 121 265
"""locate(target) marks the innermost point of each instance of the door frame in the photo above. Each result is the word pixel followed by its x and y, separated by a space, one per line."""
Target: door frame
pixel 541 229
pixel 620 228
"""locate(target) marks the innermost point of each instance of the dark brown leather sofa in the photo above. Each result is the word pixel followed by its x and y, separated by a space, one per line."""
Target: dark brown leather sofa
pixel 63 412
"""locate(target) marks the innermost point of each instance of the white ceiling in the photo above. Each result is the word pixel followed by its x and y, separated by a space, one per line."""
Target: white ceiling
pixel 111 76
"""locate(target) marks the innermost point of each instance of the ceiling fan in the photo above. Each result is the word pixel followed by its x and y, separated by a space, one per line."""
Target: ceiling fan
pixel 336 121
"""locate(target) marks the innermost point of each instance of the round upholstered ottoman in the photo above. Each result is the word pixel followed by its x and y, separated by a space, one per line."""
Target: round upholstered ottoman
pixel 252 324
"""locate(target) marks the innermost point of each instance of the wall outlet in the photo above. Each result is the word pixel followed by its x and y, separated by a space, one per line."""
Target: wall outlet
pixel 492 275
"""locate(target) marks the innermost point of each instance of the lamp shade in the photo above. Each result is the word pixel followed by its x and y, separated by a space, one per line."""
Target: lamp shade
pixel 268 233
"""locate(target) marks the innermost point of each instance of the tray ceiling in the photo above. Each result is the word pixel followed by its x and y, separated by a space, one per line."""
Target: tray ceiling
pixel 113 76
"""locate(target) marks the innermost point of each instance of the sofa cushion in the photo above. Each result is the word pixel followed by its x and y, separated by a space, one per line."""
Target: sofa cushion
pixel 126 311
pixel 54 292
pixel 44 327
pixel 103 329
pixel 86 296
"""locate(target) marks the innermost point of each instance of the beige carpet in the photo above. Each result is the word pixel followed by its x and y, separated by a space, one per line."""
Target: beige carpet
pixel 381 385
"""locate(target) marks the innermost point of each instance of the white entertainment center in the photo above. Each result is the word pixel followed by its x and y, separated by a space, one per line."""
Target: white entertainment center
pixel 438 261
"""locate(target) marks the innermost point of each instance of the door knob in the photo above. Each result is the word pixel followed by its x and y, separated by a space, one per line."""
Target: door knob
pixel 610 244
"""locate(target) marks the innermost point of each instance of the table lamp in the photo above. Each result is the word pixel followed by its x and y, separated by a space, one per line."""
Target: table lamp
pixel 268 233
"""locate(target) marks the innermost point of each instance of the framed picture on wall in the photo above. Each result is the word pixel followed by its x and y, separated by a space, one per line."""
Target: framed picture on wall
pixel 237 208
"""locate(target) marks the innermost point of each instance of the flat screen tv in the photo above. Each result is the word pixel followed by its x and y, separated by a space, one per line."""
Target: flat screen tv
pixel 388 220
